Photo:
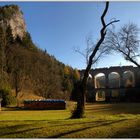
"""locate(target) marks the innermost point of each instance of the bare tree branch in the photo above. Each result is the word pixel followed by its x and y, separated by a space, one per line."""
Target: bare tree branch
pixel 102 37
pixel 112 22
pixel 126 41
pixel 80 52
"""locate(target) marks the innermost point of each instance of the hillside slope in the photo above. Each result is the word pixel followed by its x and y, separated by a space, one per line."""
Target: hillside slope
pixel 25 67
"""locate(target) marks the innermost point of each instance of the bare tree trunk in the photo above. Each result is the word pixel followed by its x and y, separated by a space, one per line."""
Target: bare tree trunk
pixel 79 111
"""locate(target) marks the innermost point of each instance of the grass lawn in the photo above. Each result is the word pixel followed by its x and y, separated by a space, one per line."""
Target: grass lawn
pixel 102 121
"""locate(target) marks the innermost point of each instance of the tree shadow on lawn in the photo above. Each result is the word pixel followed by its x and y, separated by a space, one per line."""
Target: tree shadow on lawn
pixel 31 121
pixel 116 108
pixel 25 128
pixel 16 131
pixel 92 125
pixel 13 127
pixel 131 132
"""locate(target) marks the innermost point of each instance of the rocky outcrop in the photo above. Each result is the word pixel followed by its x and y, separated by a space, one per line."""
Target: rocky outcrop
pixel 12 16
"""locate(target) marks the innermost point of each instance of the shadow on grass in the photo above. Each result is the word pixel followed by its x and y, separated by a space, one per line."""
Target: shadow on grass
pixel 85 128
pixel 7 131
pixel 13 127
pixel 11 109
pixel 18 131
pixel 116 108
pixel 26 109
pixel 22 121
pixel 131 132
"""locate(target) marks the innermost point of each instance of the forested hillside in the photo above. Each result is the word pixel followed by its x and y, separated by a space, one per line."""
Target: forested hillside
pixel 25 67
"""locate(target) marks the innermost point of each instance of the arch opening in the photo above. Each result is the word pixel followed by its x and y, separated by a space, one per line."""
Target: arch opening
pixel 99 81
pixel 114 82
pixel 128 79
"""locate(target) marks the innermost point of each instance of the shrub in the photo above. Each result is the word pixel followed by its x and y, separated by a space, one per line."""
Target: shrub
pixel 7 98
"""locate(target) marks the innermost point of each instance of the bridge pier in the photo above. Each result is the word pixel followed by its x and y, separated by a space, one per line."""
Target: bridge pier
pixel 106 80
pixel 121 80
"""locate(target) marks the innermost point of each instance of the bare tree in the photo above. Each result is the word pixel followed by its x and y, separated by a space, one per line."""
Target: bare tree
pixel 125 41
pixel 103 50
pixel 16 63
pixel 79 111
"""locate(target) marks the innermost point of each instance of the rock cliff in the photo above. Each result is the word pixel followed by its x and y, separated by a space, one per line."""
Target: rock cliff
pixel 12 16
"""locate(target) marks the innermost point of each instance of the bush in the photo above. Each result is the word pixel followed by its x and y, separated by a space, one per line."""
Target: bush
pixel 7 98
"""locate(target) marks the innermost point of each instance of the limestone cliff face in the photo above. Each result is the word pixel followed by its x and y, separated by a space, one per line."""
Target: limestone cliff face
pixel 12 16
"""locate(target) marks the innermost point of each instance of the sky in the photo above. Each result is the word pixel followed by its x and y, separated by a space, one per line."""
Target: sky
pixel 60 27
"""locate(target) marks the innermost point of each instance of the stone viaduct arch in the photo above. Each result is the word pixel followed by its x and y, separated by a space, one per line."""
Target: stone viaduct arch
pixel 121 71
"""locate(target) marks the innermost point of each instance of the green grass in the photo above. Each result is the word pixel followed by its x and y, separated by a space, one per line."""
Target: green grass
pixel 102 121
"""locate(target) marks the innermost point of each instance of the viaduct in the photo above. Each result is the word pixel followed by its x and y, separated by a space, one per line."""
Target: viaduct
pixel 107 90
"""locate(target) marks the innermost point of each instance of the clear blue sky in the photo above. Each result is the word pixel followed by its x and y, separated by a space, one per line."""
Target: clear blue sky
pixel 58 27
